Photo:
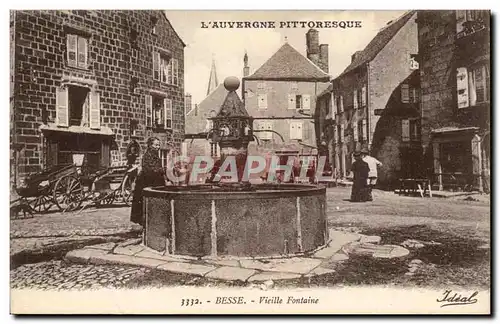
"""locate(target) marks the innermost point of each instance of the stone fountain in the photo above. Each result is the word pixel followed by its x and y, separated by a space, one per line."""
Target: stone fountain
pixel 235 219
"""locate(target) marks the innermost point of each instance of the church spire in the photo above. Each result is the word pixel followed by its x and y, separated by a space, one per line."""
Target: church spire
pixel 246 68
pixel 213 82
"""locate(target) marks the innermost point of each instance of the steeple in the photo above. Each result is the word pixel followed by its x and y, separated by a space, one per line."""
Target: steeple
pixel 213 82
pixel 246 69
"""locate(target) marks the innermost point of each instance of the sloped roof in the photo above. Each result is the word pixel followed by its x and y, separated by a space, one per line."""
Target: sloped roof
pixel 288 64
pixel 173 29
pixel 232 106
pixel 378 42
pixel 214 101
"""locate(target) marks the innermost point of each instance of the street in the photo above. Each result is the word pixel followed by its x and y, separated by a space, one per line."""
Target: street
pixel 448 241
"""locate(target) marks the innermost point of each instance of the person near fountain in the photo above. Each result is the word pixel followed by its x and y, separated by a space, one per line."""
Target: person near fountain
pixel 152 174
pixel 360 170
pixel 373 163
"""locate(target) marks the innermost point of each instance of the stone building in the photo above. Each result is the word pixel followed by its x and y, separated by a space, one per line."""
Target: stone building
pixel 281 96
pixel 374 104
pixel 88 83
pixel 456 97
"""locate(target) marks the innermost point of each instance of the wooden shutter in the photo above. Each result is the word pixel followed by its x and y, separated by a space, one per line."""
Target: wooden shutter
pixel 364 130
pixel 95 110
pixel 167 105
pixel 355 131
pixel 299 130
pixel 72 49
pixel 175 71
pixel 82 52
pixel 291 101
pixel 342 133
pixel 405 130
pixel 62 111
pixel 305 130
pixel 293 132
pixel 355 99
pixel 334 105
pixel 335 135
pixel 269 126
pixel 306 102
pixel 149 111
pixel 156 65
pixel 462 88
pixel 341 103
pixel 262 101
pixel 405 93
pixel 363 96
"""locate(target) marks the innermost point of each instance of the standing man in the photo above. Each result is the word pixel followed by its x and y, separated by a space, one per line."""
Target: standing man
pixel 373 163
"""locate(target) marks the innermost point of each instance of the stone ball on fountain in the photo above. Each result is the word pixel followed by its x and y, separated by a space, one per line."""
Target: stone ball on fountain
pixel 231 83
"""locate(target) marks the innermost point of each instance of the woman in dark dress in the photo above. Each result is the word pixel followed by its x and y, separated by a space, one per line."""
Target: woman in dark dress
pixel 360 171
pixel 152 174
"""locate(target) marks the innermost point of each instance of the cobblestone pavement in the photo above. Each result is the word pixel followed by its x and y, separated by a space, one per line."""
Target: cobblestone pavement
pixel 91 222
pixel 56 274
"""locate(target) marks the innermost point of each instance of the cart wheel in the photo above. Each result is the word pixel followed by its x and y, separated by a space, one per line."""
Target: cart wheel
pixel 128 189
pixel 68 193
pixel 41 204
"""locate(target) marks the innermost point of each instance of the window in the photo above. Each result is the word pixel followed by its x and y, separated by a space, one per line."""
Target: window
pixel 165 68
pixel 154 24
pixel 405 93
pixel 341 131
pixel 158 112
pixel 77 106
pixel 410 130
pixel 164 158
pixel 355 131
pixel 264 125
pixel 361 131
pixel 355 99
pixel 298 101
pixel 341 103
pixel 335 134
pixel 262 101
pixel 296 130
pixel 334 104
pixel 77 51
pixel 473 85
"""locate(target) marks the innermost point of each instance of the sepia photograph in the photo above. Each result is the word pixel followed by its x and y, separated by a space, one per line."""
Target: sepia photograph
pixel 250 162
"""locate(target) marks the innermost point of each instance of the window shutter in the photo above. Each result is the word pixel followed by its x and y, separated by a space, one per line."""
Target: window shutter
pixel 479 81
pixel 306 102
pixel 341 133
pixel 405 130
pixel 156 65
pixel 335 135
pixel 262 101
pixel 291 101
pixel 334 104
pixel 82 52
pixel 175 71
pixel 405 93
pixel 462 88
pixel 95 111
pixel 355 99
pixel 269 126
pixel 355 131
pixel 62 114
pixel 305 130
pixel 293 130
pixel 299 131
pixel 363 96
pixel 167 113
pixel 72 46
pixel 341 103
pixel 149 111
pixel 365 130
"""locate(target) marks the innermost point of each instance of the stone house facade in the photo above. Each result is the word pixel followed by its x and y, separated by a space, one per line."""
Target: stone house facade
pixel 89 83
pixel 455 67
pixel 281 96
pixel 380 83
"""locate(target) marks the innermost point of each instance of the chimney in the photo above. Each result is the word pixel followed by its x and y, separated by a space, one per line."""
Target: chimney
pixel 246 69
pixel 187 103
pixel 355 55
pixel 312 43
pixel 323 57
pixel 196 109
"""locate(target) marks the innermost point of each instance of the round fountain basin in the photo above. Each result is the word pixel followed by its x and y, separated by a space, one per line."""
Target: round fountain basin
pixel 204 220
